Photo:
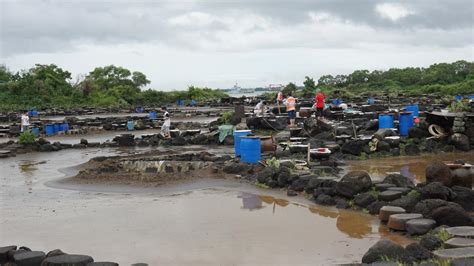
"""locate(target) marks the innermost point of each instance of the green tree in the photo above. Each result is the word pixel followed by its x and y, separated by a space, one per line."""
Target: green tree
pixel 289 88
pixel 309 86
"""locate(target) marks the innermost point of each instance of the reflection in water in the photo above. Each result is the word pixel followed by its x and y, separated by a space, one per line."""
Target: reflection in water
pixel 354 224
pixel 250 201
pixel 385 232
pixel 410 166
pixel 27 168
pixel 325 212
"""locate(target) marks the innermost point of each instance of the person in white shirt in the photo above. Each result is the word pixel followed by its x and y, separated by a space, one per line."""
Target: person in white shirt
pixel 165 128
pixel 260 108
pixel 25 122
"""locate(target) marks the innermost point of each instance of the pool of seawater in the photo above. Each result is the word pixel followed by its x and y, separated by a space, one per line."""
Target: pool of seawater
pixel 220 224
pixel 410 166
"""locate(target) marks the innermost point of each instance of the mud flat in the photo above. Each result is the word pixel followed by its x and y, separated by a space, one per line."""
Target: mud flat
pixel 209 223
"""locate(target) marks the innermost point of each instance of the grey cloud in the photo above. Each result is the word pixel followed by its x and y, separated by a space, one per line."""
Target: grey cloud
pixel 48 26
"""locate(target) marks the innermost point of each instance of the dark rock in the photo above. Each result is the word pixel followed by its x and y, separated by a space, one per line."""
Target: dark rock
pixel 460 141
pixel 464 197
pixel 389 195
pixel 265 174
pixel 126 140
pixel 237 168
pixel 341 203
pixel 462 262
pixel 291 193
pixel 84 142
pixel 364 199
pixel 46 148
pixel 68 259
pixel 428 206
pixel 382 133
pixel 103 263
pixel 315 126
pixel 354 147
pixel 383 146
pixel 420 226
pixel 439 172
pixel 436 190
pixel 431 242
pixel 374 207
pixel 383 186
pixel 353 183
pixel 462 177
pixel 42 141
pixel 398 180
pixel 452 217
pixel 178 141
pixel 417 252
pixel 300 183
pixel 55 252
pixel 385 249
pixel 416 132
pixel 28 258
pixel 406 202
pixel 325 200
pixel 79 146
pixel 4 253
pixel 412 149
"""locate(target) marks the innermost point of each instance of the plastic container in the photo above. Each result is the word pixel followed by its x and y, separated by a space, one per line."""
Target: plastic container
pixel 386 121
pixel 250 149
pixel 35 131
pixel 153 115
pixel 57 127
pixel 49 130
pixel 370 100
pixel 64 127
pixel 237 136
pixel 406 122
pixel 414 109
pixel 130 125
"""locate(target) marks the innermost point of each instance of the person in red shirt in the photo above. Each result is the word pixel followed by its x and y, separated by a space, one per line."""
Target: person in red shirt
pixel 320 98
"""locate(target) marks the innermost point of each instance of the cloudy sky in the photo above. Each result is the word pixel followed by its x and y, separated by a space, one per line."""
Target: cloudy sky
pixel 218 43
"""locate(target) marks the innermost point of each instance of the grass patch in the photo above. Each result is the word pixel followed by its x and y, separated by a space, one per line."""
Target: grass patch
pixel 261 185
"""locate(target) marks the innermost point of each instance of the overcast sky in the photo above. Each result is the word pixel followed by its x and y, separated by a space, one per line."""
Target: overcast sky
pixel 250 42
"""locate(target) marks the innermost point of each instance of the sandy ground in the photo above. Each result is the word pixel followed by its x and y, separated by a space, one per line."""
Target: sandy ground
pixel 208 222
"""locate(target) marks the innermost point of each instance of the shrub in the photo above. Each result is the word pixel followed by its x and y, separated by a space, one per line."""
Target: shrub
pixel 26 137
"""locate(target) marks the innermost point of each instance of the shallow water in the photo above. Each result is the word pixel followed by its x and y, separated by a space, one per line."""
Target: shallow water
pixel 207 224
pixel 410 166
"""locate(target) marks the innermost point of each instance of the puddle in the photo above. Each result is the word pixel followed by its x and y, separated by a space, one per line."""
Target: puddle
pixel 409 166
pixel 225 224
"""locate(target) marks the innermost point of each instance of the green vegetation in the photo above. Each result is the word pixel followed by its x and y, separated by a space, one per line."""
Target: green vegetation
pixel 458 106
pixel 227 117
pixel 444 235
pixel 274 163
pixel 261 185
pixel 26 137
pixel 413 193
pixel 45 86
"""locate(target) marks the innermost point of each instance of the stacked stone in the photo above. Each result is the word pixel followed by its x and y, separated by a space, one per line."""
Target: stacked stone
pixel 459 124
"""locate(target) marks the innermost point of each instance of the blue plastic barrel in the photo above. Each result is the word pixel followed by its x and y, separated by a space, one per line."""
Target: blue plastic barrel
pixel 130 125
pixel 33 113
pixel 386 121
pixel 237 136
pixel 250 149
pixel 57 127
pixel 152 115
pixel 458 98
pixel 35 131
pixel 414 109
pixel 49 129
pixel 65 127
pixel 406 122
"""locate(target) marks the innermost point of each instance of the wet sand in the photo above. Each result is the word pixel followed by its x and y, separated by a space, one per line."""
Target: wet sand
pixel 201 224
pixel 410 166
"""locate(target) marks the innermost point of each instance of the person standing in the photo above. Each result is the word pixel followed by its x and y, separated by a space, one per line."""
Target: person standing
pixel 291 109
pixel 25 122
pixel 260 108
pixel 279 100
pixel 320 102
pixel 165 128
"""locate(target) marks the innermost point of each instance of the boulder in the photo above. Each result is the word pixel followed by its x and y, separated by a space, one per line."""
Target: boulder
pixel 431 242
pixel 341 203
pixel 83 141
pixel 364 199
pixel 103 263
pixel 383 186
pixel 462 177
pixel 439 172
pixel 315 126
pixel 459 242
pixel 46 148
pixel 389 195
pixel 461 231
pixel 265 174
pixel 374 207
pixel 300 183
pixel 407 202
pixel 417 252
pixel 455 253
pixel 419 133
pixel 237 168
pixel 385 249
pixel 354 147
pixel 464 197
pixel 28 258
pixel 398 180
pixel 383 146
pixel 436 190
pixel 178 141
pixel 460 141
pixel 68 259
pixel 452 217
pixel 55 252
pixel 324 199
pixel 419 226
pixel 125 140
pixel 4 253
pixel 353 183
pixel 428 206
pixel 386 211
pixel 412 150
pixel 398 221
pixel 382 133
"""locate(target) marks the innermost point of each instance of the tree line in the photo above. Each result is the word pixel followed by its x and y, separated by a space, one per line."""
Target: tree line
pixel 47 86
